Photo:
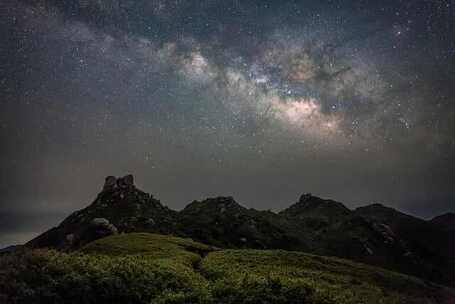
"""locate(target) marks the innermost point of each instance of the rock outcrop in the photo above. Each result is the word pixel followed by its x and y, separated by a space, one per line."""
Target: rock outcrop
pixel 112 183
pixel 374 234
pixel 119 207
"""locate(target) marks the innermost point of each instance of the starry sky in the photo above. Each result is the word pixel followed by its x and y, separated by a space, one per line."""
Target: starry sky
pixel 261 100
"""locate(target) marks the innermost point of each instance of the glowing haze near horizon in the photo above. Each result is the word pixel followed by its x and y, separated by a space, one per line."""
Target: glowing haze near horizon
pixel 261 100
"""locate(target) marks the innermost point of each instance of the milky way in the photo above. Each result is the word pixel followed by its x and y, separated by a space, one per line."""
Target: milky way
pixel 262 100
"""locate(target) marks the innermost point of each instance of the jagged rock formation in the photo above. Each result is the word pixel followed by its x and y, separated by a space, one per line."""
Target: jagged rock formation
pixel 373 234
pixel 120 207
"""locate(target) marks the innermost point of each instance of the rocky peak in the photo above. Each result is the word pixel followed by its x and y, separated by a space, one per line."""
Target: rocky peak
pixel 223 201
pixel 119 207
pixel 313 206
pixel 306 201
pixel 214 206
pixel 306 197
pixel 112 183
pixel 381 213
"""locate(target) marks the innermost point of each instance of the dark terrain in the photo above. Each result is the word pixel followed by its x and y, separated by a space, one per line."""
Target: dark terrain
pixel 373 234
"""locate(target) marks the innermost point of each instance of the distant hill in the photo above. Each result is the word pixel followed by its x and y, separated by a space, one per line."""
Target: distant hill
pixel 445 221
pixel 145 268
pixel 374 234
pixel 431 242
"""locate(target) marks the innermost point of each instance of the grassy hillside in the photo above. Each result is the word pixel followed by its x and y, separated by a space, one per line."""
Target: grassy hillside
pixel 333 279
pixel 151 268
pixel 373 235
pixel 156 246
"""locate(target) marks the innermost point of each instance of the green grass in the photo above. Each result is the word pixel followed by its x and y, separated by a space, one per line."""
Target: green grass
pixel 150 268
pixel 152 246
pixel 329 278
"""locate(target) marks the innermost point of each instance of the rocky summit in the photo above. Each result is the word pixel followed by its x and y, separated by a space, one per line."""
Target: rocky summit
pixel 223 222
pixel 119 207
pixel 373 234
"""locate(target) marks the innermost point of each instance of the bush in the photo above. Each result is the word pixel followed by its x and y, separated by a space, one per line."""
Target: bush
pixel 44 276
pixel 251 289
pixel 146 268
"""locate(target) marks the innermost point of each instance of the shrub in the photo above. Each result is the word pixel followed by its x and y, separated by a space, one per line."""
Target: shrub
pixel 44 276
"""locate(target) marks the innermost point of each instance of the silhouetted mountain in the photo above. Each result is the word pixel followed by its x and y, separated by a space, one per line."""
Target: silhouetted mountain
pixel 373 234
pixel 314 209
pixel 429 236
pixel 445 221
pixel 120 207
pixel 435 247
pixel 330 228
pixel 223 222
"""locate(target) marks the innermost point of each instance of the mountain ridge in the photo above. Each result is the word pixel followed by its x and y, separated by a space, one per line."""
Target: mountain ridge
pixel 445 221
pixel 373 234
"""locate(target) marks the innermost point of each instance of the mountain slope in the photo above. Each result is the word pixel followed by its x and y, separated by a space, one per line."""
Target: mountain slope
pixel 223 222
pixel 332 229
pixel 445 221
pixel 120 207
pixel 150 268
pixel 316 211
pixel 374 234
pixel 432 245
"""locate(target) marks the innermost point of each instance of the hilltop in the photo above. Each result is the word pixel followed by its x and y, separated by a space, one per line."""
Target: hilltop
pixel 153 268
pixel 374 234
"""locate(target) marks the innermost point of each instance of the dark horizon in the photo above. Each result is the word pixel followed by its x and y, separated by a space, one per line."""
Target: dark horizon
pixel 259 100
pixel 52 220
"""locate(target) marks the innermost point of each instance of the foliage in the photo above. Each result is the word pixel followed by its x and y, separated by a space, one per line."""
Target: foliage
pixel 154 246
pixel 324 279
pixel 148 268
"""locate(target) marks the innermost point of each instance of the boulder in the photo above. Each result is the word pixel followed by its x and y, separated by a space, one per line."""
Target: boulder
pixel 102 227
pixel 126 181
pixel 99 222
pixel 110 183
pixel 70 238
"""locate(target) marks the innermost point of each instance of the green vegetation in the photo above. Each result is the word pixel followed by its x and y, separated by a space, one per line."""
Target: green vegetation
pixel 150 268
pixel 155 246
pixel 331 280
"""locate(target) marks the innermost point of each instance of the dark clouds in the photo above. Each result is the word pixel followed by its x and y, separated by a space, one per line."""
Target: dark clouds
pixel 261 100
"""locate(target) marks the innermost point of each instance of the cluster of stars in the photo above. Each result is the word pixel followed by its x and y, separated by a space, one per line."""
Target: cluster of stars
pixel 241 94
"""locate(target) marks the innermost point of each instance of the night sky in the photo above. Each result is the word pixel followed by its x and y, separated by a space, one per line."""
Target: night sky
pixel 261 100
